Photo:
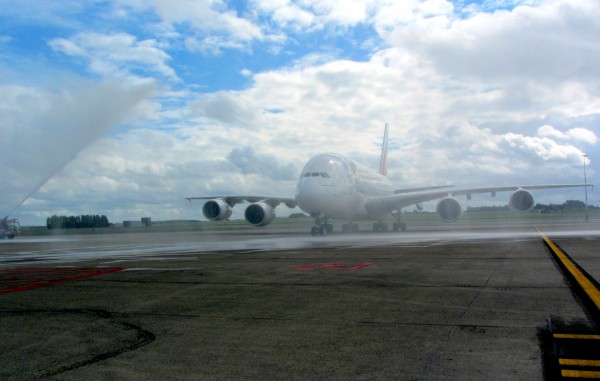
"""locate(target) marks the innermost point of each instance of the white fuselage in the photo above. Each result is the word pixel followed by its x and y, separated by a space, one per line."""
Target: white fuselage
pixel 332 185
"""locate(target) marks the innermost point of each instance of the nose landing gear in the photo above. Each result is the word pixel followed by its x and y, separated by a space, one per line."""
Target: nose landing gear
pixel 321 227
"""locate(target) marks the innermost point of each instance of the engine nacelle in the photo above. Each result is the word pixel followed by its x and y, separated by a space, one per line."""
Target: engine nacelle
pixel 259 214
pixel 216 210
pixel 449 209
pixel 521 201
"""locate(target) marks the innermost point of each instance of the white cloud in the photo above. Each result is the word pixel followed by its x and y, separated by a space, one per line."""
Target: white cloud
pixel 213 26
pixel 267 166
pixel 285 14
pixel 552 41
pixel 536 147
pixel 118 55
pixel 343 13
pixel 577 134
pixel 211 45
pixel 56 13
pixel 227 107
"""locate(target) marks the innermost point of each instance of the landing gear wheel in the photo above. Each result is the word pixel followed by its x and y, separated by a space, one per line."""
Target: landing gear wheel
pixel 323 230
pixel 321 226
pixel 380 227
pixel 350 228
pixel 399 226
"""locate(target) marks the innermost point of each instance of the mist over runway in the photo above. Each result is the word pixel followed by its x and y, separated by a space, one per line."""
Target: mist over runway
pixel 108 248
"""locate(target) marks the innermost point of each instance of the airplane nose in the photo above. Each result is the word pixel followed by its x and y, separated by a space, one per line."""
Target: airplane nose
pixel 311 197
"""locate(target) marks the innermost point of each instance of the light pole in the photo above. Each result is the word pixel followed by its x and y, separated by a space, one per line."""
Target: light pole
pixel 587 216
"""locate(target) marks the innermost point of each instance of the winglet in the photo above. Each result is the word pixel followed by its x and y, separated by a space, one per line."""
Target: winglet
pixel 384 149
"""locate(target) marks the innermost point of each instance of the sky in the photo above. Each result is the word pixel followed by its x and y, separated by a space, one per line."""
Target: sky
pixel 126 107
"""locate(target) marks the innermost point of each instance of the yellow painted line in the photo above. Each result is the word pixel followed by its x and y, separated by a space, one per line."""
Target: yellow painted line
pixel 579 362
pixel 579 373
pixel 575 336
pixel 588 287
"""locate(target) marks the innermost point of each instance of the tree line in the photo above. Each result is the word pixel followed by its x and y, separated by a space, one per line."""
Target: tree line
pixel 77 222
pixel 567 205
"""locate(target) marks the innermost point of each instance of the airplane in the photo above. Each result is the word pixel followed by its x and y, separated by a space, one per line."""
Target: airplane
pixel 332 186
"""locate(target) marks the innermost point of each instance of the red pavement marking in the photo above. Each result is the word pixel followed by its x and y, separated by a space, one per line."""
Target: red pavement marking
pixel 332 266
pixel 23 279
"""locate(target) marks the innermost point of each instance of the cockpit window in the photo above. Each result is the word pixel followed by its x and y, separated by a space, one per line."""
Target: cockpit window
pixel 317 174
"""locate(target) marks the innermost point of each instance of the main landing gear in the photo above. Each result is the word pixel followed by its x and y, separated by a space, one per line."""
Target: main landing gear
pixel 397 225
pixel 322 227
pixel 383 227
pixel 351 227
pixel 380 226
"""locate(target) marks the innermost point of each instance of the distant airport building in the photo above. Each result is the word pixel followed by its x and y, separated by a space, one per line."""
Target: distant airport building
pixel 144 221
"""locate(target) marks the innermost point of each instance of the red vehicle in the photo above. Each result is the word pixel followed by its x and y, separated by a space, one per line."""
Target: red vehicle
pixel 9 228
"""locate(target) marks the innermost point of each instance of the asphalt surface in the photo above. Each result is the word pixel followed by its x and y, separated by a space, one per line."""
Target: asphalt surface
pixel 467 305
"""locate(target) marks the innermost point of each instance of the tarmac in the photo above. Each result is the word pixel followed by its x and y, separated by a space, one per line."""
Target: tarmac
pixel 446 305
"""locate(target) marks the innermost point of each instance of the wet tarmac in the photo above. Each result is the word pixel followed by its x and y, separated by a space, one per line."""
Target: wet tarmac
pixel 466 305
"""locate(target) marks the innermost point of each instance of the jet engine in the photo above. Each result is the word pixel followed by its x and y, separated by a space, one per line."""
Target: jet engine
pixel 521 201
pixel 449 209
pixel 259 214
pixel 216 210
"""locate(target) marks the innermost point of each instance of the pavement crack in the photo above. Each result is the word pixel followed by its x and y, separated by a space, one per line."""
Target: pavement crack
pixel 144 337
pixel 92 335
pixel 436 353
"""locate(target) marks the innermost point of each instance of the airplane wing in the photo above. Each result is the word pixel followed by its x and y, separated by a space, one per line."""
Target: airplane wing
pixel 420 189
pixel 380 204
pixel 290 202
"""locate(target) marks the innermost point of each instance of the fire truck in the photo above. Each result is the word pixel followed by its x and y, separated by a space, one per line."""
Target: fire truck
pixel 9 228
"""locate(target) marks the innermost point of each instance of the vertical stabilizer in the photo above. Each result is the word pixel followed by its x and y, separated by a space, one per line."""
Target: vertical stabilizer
pixel 384 149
